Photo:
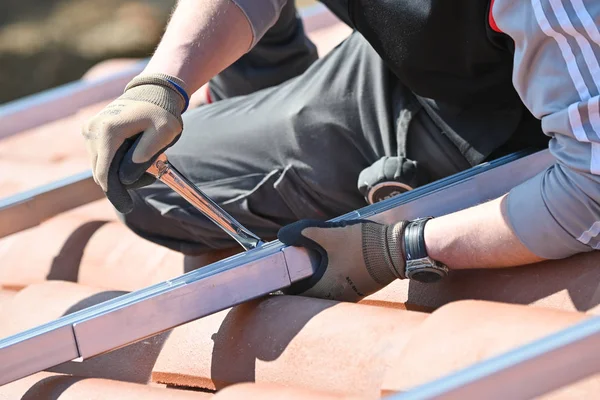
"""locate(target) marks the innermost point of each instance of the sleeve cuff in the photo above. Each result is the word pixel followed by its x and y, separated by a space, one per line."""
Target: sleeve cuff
pixel 535 226
pixel 261 15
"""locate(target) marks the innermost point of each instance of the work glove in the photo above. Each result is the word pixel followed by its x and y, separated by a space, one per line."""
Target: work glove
pixel 125 138
pixel 357 258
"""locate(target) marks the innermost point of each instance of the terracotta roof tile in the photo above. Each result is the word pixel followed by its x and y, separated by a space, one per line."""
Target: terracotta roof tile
pixel 6 297
pixel 46 385
pixel 316 344
pixel 262 391
pixel 53 250
pixel 464 332
pixel 30 168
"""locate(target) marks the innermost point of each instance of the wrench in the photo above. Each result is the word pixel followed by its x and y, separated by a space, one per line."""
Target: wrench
pixel 165 172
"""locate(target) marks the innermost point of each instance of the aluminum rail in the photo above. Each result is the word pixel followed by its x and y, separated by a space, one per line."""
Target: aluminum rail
pixel 526 372
pixel 135 316
pixel 31 208
pixel 147 312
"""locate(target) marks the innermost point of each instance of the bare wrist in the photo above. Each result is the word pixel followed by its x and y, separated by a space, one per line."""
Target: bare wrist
pixel 435 239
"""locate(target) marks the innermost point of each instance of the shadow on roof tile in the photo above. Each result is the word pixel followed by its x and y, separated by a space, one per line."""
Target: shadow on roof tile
pixel 571 284
pixel 65 266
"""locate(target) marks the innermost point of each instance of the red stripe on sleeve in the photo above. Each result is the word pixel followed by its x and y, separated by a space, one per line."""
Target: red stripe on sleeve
pixel 491 19
pixel 209 97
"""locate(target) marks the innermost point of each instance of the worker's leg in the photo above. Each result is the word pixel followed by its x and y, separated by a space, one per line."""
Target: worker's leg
pixel 285 153
pixel 283 52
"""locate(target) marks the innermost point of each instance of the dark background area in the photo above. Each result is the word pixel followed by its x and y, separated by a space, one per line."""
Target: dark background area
pixel 46 43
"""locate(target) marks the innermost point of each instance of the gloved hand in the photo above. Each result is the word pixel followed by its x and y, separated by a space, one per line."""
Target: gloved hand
pixel 127 135
pixel 357 257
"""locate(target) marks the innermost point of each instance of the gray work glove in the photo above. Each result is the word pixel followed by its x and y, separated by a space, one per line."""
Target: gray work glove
pixel 127 135
pixel 357 257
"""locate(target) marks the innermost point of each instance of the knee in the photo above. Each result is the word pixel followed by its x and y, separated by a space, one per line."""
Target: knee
pixel 148 220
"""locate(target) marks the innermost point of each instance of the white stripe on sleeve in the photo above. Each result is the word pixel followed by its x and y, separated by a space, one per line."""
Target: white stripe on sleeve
pixel 591 62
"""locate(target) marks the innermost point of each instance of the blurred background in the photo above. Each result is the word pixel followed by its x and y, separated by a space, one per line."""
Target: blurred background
pixel 45 43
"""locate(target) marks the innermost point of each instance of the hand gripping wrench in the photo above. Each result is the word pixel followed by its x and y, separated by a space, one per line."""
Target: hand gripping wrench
pixel 165 172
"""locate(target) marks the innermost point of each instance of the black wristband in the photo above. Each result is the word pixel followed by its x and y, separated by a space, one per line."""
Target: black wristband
pixel 419 266
pixel 414 239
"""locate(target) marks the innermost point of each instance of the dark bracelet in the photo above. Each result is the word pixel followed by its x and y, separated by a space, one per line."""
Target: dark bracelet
pixel 419 266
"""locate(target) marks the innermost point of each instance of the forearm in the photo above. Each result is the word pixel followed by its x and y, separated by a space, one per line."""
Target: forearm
pixel 478 237
pixel 202 38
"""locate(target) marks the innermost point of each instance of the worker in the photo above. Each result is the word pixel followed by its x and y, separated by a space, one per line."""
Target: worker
pixel 419 91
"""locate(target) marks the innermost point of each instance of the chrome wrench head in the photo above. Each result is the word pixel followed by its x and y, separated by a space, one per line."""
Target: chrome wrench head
pixel 159 166
pixel 164 171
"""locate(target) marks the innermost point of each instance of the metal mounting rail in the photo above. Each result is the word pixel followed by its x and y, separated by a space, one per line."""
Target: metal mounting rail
pixel 31 208
pixel 135 316
pixel 526 372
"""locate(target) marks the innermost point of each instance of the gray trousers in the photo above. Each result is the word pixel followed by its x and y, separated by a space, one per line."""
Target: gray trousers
pixel 288 139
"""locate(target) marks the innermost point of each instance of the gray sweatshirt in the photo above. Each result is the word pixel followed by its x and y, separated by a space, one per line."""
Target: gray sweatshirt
pixel 557 75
